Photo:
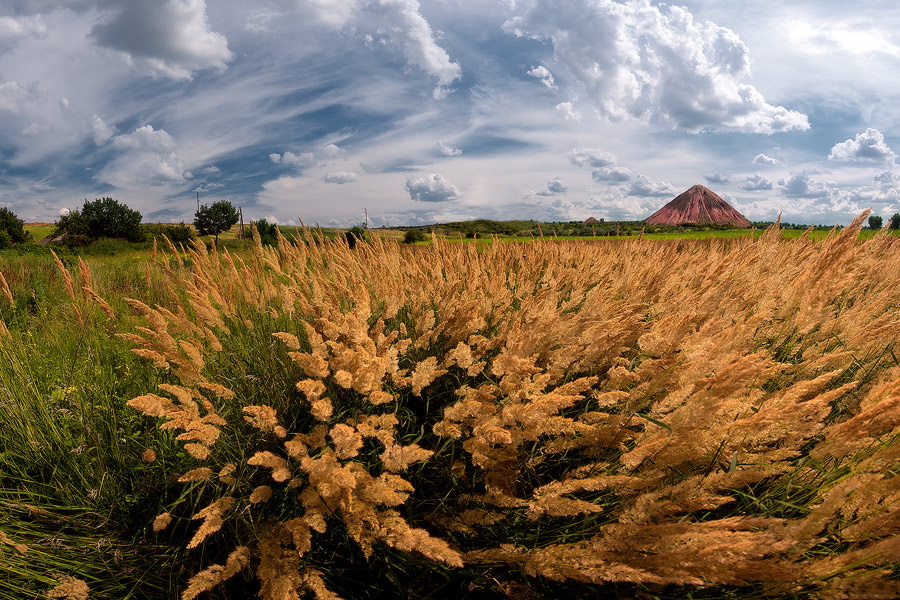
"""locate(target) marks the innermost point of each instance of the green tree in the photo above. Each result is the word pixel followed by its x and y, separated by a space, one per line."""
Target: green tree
pixel 895 221
pixel 875 222
pixel 213 220
pixel 101 218
pixel 13 227
pixel 355 234
pixel 413 235
pixel 268 232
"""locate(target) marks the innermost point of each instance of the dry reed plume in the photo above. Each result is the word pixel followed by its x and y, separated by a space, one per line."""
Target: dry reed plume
pixel 653 390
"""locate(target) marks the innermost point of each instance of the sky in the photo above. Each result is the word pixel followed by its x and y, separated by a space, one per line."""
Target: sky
pixel 399 112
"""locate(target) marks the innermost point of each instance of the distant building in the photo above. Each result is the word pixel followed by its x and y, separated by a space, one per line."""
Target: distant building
pixel 697 205
pixel 591 221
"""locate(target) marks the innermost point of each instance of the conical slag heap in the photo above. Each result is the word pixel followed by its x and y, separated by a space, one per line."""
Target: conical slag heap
pixel 699 204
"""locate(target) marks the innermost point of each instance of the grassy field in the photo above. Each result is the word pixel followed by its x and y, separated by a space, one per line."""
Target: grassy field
pixel 695 418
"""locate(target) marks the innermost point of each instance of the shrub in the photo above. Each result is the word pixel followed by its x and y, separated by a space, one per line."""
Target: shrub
pixel 355 234
pixel 13 227
pixel 178 233
pixel 215 219
pixel 895 221
pixel 413 235
pixel 102 218
pixel 268 232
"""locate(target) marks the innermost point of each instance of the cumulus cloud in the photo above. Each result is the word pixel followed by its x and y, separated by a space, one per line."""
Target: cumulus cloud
pixel 340 177
pixel 648 62
pixel 554 187
pixel 14 97
pixel 289 158
pixel 541 72
pixel 757 182
pixel 590 157
pixel 101 131
pixel 149 157
pixel 865 147
pixel 431 188
pixel 717 178
pixel 171 38
pixel 645 187
pixel 763 160
pixel 801 185
pixel 447 150
pixel 568 112
pixel 13 29
pixel 611 175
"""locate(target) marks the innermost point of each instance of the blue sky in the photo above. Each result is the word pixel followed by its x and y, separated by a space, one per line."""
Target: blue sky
pixel 422 112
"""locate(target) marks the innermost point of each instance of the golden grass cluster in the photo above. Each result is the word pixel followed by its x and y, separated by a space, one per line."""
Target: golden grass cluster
pixel 653 390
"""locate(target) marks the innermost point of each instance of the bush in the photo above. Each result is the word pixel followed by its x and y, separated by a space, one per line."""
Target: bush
pixel 5 240
pixel 268 232
pixel 355 234
pixel 213 220
pixel 179 233
pixel 413 235
pixel 895 221
pixel 102 218
pixel 13 227
pixel 875 222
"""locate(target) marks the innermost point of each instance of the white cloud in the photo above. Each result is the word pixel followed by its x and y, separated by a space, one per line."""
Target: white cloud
pixel 145 138
pixel 655 63
pixel 172 38
pixel 448 150
pixel 611 174
pixel 101 131
pixel 567 110
pixel 431 188
pixel 801 185
pixel 340 177
pixel 13 29
pixel 757 182
pixel 15 98
pixel 541 72
pixel 271 219
pixel 865 147
pixel 590 157
pixel 762 159
pixel 63 212
pixel 556 186
pixel 717 178
pixel 289 158
pixel 645 187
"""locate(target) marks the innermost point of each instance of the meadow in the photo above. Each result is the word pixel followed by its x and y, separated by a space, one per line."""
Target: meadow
pixel 632 418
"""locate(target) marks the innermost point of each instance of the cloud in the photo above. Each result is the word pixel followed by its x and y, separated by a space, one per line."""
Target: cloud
pixel 148 157
pixel 289 158
pixel 612 175
pixel 63 212
pixel 15 98
pixel 717 178
pixel 448 150
pixel 590 157
pixel 431 188
pixel 554 187
pixel 643 186
pixel 101 131
pixel 762 159
pixel 13 29
pixel 546 77
pixel 340 177
pixel 865 147
pixel 171 38
pixel 567 110
pixel 801 185
pixel 655 63
pixel 757 182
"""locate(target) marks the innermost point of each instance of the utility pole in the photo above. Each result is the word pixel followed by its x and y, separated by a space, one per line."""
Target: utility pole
pixel 198 201
pixel 366 211
pixel 241 211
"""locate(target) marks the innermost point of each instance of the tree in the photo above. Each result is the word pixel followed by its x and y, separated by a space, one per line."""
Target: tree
pixel 875 222
pixel 213 220
pixel 268 232
pixel 413 235
pixel 895 221
pixel 13 227
pixel 102 218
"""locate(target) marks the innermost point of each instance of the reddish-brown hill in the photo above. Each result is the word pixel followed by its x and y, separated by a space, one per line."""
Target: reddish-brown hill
pixel 699 204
